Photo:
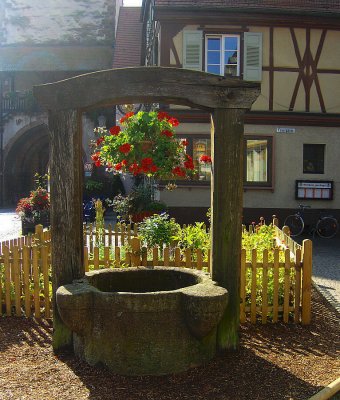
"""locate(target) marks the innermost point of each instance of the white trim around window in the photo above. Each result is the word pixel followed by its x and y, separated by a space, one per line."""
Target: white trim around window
pixel 222 50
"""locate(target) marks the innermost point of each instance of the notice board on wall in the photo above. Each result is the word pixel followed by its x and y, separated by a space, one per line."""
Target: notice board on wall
pixel 314 190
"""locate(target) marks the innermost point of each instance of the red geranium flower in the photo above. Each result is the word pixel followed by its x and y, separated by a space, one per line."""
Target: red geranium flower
pixel 100 140
pixel 162 115
pixel 115 130
pixel 153 168
pixel 167 133
pixel 126 116
pixel 97 163
pixel 118 166
pixel 125 148
pixel 135 169
pixel 178 171
pixel 147 161
pixel 124 162
pixel 173 121
pixel 185 142
pixel 205 159
pixel 95 156
pixel 189 163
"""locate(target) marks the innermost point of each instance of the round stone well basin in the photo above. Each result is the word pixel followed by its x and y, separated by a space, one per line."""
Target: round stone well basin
pixel 143 321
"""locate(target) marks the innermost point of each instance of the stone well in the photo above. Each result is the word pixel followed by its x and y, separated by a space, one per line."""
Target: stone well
pixel 143 321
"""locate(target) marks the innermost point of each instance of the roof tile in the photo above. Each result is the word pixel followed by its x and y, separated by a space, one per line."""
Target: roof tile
pixel 291 6
pixel 127 52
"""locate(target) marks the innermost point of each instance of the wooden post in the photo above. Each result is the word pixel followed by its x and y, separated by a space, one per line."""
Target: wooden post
pixel 275 220
pixel 226 215
pixel 66 209
pixel 307 250
pixel 136 252
pixel 286 230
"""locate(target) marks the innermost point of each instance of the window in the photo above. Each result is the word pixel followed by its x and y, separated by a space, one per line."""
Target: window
pixel 258 161
pixel 198 146
pixel 313 158
pixel 223 54
pixel 201 147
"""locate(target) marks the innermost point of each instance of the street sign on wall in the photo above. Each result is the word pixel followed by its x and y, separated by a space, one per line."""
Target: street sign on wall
pixel 314 190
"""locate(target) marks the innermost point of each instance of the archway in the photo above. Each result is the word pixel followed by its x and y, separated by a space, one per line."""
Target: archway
pixel 226 98
pixel 25 155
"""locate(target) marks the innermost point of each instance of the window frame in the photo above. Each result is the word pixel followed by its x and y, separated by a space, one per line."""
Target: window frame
pixel 221 36
pixel 269 184
pixel 189 150
pixel 304 170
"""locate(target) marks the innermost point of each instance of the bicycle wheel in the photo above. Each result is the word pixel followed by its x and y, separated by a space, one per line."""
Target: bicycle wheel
pixel 295 224
pixel 327 227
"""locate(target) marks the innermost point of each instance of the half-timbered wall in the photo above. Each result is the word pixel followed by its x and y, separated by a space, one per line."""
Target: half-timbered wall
pixel 300 77
pixel 301 66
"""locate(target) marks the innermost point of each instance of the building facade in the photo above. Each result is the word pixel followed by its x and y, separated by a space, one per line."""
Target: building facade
pixel 292 133
pixel 43 42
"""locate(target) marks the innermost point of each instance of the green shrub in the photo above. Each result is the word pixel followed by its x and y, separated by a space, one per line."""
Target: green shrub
pixel 262 239
pixel 158 230
pixel 194 237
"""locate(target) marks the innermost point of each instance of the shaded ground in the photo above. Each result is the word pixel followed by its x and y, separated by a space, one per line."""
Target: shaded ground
pixel 274 362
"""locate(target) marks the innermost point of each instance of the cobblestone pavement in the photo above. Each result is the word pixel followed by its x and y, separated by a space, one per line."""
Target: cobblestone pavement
pixel 326 256
pixel 326 268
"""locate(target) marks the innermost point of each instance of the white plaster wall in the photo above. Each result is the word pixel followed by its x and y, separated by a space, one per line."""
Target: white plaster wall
pixel 187 197
pixel 288 167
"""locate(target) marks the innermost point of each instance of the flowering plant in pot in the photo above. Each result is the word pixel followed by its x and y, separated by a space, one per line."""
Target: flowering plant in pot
pixel 35 208
pixel 145 144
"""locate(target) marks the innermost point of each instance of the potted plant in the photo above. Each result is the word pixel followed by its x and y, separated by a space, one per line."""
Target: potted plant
pixel 144 144
pixel 143 203
pixel 35 209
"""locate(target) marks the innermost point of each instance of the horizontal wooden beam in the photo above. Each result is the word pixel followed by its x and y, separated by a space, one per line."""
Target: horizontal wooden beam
pixel 147 85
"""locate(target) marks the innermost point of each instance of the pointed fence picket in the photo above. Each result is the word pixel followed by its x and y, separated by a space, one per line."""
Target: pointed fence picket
pixel 274 285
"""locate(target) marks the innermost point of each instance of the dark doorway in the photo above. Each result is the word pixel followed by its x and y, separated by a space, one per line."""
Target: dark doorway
pixel 29 154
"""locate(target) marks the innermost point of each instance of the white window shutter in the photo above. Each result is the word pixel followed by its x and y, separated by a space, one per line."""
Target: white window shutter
pixel 192 50
pixel 252 70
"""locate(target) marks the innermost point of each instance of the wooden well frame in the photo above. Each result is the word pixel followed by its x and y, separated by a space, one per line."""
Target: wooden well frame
pixel 227 99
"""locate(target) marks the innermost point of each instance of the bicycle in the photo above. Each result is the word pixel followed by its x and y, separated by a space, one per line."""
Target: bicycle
pixel 326 227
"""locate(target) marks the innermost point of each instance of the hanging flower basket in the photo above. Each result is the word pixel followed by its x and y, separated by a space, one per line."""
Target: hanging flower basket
pixel 144 144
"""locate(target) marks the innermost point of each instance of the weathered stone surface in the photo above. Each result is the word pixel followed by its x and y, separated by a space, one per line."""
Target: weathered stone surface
pixel 62 21
pixel 120 319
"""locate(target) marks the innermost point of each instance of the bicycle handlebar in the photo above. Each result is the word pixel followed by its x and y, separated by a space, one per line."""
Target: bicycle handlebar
pixel 302 207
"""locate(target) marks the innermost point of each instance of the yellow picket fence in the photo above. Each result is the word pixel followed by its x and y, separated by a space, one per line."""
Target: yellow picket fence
pixel 274 285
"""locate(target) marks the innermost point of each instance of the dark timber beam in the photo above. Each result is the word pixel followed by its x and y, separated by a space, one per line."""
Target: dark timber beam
pixel 225 98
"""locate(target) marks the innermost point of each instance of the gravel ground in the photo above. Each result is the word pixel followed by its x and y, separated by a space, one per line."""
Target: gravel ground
pixel 273 362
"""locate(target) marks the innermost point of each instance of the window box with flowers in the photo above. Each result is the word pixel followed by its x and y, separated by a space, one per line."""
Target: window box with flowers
pixel 34 210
